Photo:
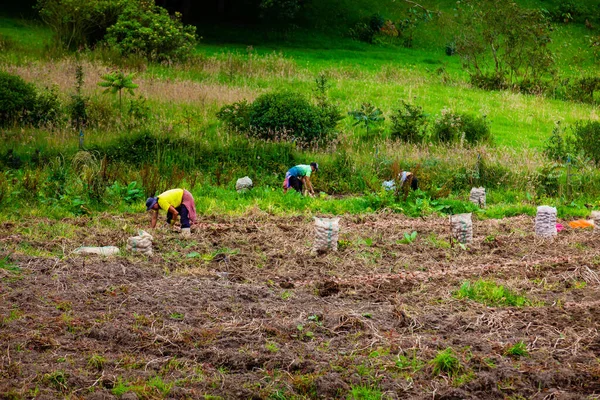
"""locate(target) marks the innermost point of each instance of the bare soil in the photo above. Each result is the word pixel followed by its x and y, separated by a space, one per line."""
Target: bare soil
pixel 243 309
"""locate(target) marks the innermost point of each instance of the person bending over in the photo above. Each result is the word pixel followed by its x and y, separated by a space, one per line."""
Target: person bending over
pixel 298 178
pixel 177 203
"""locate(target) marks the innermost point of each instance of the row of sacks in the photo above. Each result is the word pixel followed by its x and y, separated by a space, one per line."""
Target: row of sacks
pixel 142 243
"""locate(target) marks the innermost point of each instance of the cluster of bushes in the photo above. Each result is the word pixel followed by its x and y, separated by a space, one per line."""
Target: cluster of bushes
pixel 411 124
pixel 21 103
pixel 378 29
pixel 130 27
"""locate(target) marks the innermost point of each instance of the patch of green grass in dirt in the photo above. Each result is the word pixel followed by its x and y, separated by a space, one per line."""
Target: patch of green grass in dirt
pixel 490 294
pixel 362 392
pixel 519 349
pixel 7 265
pixel 446 362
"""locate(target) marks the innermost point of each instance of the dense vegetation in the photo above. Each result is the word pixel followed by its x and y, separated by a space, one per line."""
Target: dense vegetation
pixel 381 89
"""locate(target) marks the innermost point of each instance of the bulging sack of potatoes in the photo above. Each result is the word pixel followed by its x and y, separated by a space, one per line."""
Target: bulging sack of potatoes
pixel 596 219
pixel 327 231
pixel 462 228
pixel 141 243
pixel 477 196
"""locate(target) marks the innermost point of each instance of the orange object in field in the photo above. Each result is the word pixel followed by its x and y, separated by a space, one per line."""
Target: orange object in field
pixel 581 223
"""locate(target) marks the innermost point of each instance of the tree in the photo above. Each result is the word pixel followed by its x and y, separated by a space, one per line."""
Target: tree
pixel 367 115
pixel 116 82
pixel 501 43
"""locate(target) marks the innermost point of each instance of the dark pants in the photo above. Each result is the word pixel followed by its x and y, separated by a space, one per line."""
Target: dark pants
pixel 296 184
pixel 414 184
pixel 183 214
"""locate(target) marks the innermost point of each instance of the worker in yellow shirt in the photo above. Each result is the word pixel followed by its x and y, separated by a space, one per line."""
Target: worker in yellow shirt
pixel 177 203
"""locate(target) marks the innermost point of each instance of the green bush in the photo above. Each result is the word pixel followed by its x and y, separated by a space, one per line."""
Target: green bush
pixel 476 129
pixel 453 127
pixel 48 109
pixel 147 29
pixel 587 139
pixel 289 115
pixel 236 116
pixel 409 123
pixel 79 23
pixel 558 146
pixel 448 127
pixel 17 98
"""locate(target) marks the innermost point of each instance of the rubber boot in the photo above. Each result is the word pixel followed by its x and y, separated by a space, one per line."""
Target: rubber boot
pixel 185 232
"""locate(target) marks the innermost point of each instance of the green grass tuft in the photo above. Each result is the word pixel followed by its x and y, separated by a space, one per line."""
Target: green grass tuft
pixel 490 294
pixel 446 362
pixel 519 349
pixel 364 393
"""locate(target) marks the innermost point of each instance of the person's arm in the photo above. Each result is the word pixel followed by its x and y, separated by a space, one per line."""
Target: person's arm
pixel 154 219
pixel 174 214
pixel 309 185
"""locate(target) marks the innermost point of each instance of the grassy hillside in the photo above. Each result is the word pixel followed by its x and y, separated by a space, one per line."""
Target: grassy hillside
pixel 232 64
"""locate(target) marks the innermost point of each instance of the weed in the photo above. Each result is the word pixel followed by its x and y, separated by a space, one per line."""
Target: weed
pixel 176 316
pixel 490 294
pixel 519 349
pixel 286 294
pixel 96 361
pixel 163 388
pixel 272 347
pixel 446 362
pixel 408 238
pixel 364 393
pixel 58 380
pixel 411 363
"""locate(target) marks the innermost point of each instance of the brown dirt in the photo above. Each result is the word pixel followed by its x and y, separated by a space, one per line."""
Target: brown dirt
pixel 244 310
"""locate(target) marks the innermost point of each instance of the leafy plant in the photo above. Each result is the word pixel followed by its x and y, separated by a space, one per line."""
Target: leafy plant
pixel 446 362
pixel 408 238
pixel 490 294
pixel 368 115
pixel 96 361
pixel 519 349
pixel 116 81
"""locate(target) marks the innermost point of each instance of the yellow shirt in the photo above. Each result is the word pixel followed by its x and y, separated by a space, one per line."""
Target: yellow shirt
pixel 171 197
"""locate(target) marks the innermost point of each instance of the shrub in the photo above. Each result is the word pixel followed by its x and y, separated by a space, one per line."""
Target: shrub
pixel 147 29
pixel 476 129
pixel 236 116
pixel 280 114
pixel 587 139
pixel 17 98
pixel 409 123
pixel 558 146
pixel 448 127
pixel 453 127
pixel 48 108
pixel 79 23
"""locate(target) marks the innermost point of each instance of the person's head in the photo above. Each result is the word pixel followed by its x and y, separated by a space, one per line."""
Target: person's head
pixel 314 166
pixel 152 203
